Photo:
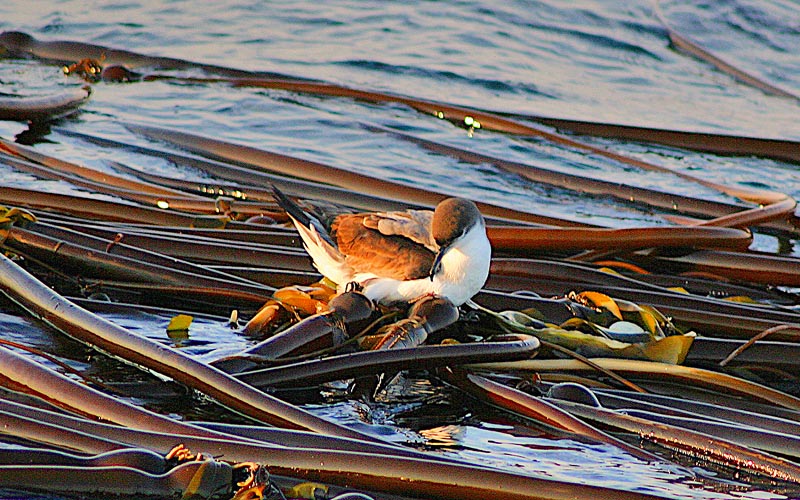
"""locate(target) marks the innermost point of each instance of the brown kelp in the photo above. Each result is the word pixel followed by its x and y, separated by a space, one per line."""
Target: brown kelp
pixel 312 171
pixel 59 312
pixel 660 371
pixel 38 109
pixel 67 52
pixel 398 475
pixel 689 46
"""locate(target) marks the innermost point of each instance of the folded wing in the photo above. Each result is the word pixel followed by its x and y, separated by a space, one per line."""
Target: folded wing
pixel 389 245
pixel 412 224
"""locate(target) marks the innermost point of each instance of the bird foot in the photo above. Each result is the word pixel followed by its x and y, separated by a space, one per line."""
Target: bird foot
pixel 423 297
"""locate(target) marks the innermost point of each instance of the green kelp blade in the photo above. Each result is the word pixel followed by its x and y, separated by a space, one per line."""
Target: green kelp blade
pixel 648 318
pixel 178 327
pixel 672 350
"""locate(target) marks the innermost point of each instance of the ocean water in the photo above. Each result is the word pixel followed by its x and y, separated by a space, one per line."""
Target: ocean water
pixel 591 60
pixel 600 60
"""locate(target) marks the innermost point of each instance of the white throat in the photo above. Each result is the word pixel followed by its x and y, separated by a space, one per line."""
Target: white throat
pixel 464 266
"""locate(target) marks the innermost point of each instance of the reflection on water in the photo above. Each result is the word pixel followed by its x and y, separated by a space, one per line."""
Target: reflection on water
pixel 446 436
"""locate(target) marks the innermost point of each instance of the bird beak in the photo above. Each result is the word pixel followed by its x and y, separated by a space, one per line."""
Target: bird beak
pixel 437 262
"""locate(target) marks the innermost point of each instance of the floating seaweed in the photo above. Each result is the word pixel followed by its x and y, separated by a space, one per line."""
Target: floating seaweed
pixel 578 330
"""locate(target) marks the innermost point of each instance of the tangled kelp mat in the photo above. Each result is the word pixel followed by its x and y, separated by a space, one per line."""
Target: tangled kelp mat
pixel 675 345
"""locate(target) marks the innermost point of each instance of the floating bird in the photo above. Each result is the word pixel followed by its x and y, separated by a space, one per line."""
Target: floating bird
pixel 400 256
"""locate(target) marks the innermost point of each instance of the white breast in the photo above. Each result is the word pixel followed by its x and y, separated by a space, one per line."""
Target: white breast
pixel 465 267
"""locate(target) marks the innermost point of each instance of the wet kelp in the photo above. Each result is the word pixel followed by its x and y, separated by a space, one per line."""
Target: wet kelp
pixel 632 308
pixel 43 109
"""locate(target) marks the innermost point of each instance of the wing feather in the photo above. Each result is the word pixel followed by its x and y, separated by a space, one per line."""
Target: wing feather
pixel 412 224
pixel 368 249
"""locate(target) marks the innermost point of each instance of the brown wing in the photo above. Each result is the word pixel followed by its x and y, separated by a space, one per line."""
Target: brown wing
pixel 367 250
pixel 412 224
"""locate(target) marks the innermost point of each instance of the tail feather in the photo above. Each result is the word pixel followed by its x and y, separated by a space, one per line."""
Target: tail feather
pixel 318 243
pixel 299 215
pixel 290 207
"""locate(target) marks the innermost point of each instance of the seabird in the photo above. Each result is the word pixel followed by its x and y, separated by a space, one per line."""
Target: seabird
pixel 400 256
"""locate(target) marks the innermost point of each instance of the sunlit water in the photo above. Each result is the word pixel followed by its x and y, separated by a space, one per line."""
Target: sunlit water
pixel 590 60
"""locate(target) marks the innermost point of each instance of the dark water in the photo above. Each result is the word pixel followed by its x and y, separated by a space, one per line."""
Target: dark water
pixel 593 60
